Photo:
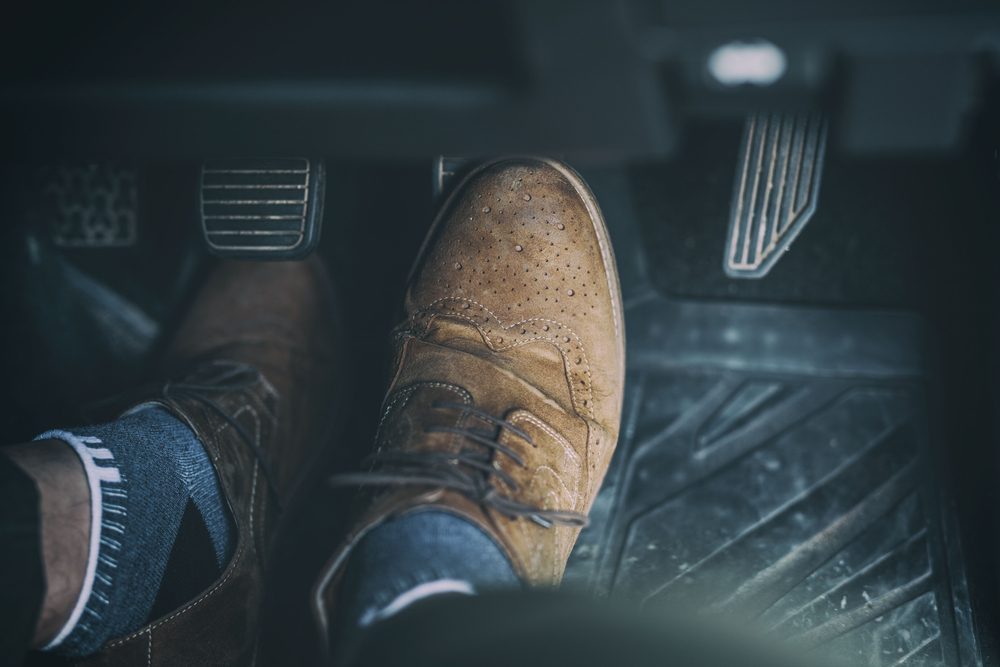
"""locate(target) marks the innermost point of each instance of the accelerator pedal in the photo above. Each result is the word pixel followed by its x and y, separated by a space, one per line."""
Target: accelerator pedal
pixel 268 209
pixel 777 186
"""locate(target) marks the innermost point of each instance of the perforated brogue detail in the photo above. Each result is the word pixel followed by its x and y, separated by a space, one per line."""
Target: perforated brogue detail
pixel 518 258
pixel 500 336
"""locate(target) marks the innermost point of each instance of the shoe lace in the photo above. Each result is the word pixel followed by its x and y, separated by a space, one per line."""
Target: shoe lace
pixel 230 376
pixel 470 471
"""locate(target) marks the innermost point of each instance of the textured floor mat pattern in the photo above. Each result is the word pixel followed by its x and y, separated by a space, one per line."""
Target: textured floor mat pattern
pixel 771 467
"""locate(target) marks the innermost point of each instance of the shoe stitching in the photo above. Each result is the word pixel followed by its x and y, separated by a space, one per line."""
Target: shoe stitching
pixel 586 410
pixel 588 450
pixel 531 418
pixel 572 386
pixel 253 485
pixel 406 392
pixel 269 388
pixel 233 565
pixel 183 610
pixel 554 339
pixel 256 432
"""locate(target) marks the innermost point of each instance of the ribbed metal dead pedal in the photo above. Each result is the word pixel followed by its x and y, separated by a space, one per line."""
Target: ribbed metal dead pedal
pixel 777 186
pixel 262 208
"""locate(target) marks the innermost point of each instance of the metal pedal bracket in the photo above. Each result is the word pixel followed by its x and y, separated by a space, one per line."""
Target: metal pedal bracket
pixel 778 176
pixel 262 208
pixel 445 169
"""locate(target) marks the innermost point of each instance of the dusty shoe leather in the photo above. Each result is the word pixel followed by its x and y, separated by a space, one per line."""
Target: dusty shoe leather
pixel 508 380
pixel 254 362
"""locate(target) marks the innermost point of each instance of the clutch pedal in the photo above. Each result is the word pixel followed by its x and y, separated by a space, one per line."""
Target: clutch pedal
pixel 777 186
pixel 262 208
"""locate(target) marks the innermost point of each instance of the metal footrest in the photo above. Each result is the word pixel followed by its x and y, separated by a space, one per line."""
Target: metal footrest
pixel 262 208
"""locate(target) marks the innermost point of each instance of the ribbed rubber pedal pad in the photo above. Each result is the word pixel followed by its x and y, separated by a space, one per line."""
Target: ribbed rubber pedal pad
pixel 262 208
pixel 777 187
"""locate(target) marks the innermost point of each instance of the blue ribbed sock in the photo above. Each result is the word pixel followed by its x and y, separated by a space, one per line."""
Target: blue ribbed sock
pixel 151 480
pixel 415 557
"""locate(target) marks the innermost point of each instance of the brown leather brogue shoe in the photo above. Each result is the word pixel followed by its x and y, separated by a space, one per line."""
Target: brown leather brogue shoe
pixel 255 367
pixel 509 370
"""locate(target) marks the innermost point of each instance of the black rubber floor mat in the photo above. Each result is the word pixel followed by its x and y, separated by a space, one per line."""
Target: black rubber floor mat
pixel 772 466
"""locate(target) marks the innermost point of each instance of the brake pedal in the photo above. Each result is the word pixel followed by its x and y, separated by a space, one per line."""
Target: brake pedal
pixel 777 187
pixel 262 208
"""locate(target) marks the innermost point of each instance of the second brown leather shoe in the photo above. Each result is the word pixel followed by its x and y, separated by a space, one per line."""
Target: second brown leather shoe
pixel 254 371
pixel 508 379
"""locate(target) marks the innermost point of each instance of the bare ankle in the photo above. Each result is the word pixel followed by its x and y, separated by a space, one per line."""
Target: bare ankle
pixel 64 509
